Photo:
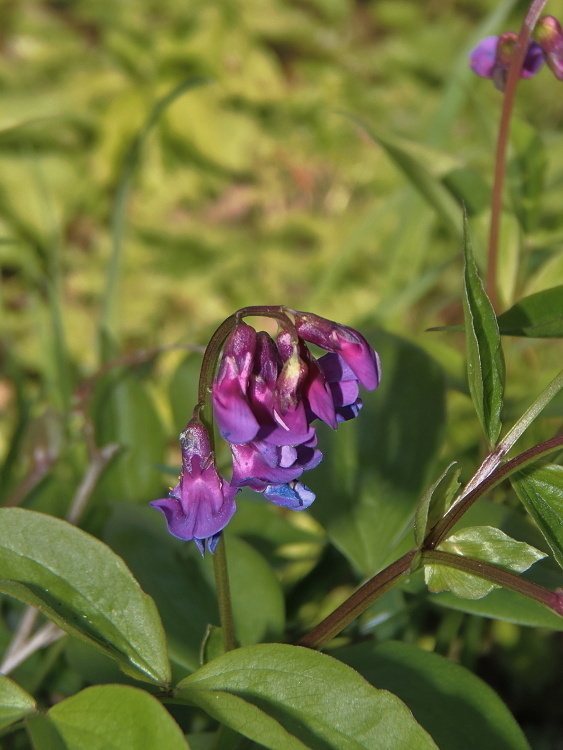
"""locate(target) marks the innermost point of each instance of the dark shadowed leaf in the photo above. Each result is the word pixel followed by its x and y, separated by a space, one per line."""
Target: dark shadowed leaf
pixel 459 711
pixel 377 466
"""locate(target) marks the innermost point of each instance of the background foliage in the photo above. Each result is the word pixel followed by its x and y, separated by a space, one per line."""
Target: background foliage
pixel 164 164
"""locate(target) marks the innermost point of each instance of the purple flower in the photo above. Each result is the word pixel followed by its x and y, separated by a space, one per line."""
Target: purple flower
pixel 550 38
pixel 491 58
pixel 202 503
pixel 339 339
pixel 266 395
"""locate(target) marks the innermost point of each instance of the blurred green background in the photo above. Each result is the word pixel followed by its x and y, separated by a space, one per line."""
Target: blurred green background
pixel 163 164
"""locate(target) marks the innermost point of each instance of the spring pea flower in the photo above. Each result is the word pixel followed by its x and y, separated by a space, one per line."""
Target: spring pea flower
pixel 266 396
pixel 491 58
pixel 202 503
pixel 550 38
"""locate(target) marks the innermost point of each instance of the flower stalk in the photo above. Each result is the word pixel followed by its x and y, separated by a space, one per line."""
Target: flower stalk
pixel 514 71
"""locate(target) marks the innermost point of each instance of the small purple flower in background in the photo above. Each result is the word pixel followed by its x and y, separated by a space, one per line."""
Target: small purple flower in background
pixel 202 503
pixel 550 37
pixel 266 394
pixel 491 58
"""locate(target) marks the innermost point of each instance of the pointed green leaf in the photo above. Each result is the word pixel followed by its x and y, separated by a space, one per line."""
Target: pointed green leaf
pixel 541 491
pixel 538 316
pixel 479 543
pixel 470 714
pixel 112 717
pixel 485 362
pixel 435 502
pixel 15 702
pixel 79 583
pixel 287 697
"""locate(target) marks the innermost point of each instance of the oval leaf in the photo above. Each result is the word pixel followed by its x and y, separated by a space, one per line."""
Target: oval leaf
pixel 113 717
pixel 470 713
pixel 15 703
pixel 479 543
pixel 311 699
pixel 79 583
pixel 541 491
pixel 539 316
pixel 485 362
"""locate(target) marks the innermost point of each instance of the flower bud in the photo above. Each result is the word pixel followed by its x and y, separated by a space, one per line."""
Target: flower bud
pixel 550 37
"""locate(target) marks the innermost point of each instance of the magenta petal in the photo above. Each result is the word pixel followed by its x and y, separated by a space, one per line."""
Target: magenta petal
pixel 235 418
pixel 363 361
pixel 483 57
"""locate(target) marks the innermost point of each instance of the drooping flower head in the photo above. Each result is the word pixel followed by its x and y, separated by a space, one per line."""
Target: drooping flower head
pixel 202 503
pixel 492 57
pixel 266 395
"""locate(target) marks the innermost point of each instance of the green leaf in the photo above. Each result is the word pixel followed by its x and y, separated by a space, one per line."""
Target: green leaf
pixel 252 580
pixel 538 316
pixel 459 710
pixel 377 466
pixel 435 502
pixel 79 583
pixel 15 703
pixel 112 717
pixel 287 697
pixel 485 363
pixel 541 491
pixel 479 543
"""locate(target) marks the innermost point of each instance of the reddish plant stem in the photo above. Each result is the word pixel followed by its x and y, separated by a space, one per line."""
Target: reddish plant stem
pixel 496 575
pixel 358 602
pixel 502 144
pixel 457 510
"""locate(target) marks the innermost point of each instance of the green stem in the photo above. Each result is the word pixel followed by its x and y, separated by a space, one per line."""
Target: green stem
pixel 502 143
pixel 496 575
pixel 224 595
pixel 358 602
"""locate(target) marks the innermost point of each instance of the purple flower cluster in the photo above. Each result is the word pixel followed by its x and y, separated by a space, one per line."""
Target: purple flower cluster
pixel 492 57
pixel 266 395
